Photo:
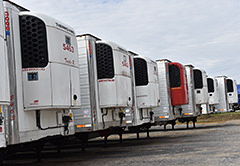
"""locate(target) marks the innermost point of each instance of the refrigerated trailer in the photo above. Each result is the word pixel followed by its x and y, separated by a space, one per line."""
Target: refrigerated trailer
pixel 106 83
pixel 232 94
pixel 200 88
pixel 173 92
pixel 197 92
pixel 223 105
pixel 4 84
pixel 213 94
pixel 43 76
pixel 147 88
pixel 190 111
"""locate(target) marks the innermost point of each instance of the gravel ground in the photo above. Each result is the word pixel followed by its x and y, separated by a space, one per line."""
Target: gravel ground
pixel 212 144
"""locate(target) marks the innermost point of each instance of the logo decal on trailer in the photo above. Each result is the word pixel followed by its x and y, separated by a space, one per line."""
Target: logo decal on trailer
pixel 67 45
pixel 124 61
pixel 7 23
pixel 35 102
pixel 69 61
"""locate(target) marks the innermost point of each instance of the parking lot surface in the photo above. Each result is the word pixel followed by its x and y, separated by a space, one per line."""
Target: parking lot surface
pixel 211 144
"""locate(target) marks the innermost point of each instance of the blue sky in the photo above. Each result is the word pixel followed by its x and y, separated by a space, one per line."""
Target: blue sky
pixel 204 33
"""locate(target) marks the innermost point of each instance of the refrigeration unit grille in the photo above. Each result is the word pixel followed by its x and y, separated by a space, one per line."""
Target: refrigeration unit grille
pixel 141 72
pixel 33 42
pixel 210 84
pixel 198 81
pixel 105 66
pixel 229 85
pixel 174 76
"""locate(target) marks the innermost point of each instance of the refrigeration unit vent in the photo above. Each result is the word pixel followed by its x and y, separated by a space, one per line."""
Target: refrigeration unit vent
pixel 141 72
pixel 33 42
pixel 174 76
pixel 198 81
pixel 210 84
pixel 105 66
pixel 229 85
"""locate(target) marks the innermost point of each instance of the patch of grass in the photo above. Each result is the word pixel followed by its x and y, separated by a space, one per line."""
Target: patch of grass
pixel 219 117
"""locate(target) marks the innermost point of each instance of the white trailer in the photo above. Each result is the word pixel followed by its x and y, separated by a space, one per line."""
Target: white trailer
pixel 147 89
pixel 232 94
pixel 223 105
pixel 213 94
pixel 106 82
pixel 44 75
pixel 190 111
pixel 200 88
pixel 4 85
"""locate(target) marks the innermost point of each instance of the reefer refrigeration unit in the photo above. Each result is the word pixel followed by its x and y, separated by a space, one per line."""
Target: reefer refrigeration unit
pixel 223 105
pixel 4 84
pixel 44 75
pixel 173 92
pixel 200 88
pixel 213 94
pixel 178 84
pixel 106 82
pixel 49 62
pixel 232 94
pixel 147 88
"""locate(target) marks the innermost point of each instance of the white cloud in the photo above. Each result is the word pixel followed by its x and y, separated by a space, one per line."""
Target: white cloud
pixel 204 33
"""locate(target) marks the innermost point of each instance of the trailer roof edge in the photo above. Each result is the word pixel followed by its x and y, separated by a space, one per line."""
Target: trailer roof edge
pixel 135 54
pixel 18 6
pixel 85 34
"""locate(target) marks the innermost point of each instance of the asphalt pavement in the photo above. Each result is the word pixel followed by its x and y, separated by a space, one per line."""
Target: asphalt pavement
pixel 211 144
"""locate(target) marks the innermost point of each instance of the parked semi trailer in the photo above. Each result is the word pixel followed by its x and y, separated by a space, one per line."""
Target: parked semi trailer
pixel 213 94
pixel 147 91
pixel 173 92
pixel 43 76
pixel 106 83
pixel 197 92
pixel 232 94
pixel 190 111
pixel 5 118
pixel 238 90
pixel 237 105
pixel 200 86
pixel 223 105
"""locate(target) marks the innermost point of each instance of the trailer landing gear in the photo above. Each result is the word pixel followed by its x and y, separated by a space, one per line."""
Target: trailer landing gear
pixel 172 122
pixel 141 128
pixel 187 120
pixel 115 130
